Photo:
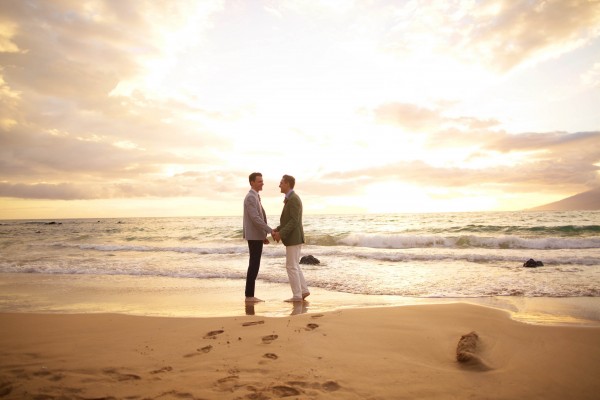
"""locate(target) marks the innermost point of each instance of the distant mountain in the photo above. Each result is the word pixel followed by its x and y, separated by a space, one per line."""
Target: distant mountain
pixel 589 200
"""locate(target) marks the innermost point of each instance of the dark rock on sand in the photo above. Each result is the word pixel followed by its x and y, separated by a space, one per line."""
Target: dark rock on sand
pixel 466 352
pixel 309 260
pixel 531 263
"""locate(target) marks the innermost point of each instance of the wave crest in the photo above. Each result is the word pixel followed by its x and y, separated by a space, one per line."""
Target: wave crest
pixel 466 241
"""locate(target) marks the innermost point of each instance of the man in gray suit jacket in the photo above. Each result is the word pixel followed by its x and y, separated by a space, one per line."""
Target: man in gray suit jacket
pixel 255 232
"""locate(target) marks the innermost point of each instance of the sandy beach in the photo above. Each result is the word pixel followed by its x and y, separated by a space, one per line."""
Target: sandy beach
pixel 404 352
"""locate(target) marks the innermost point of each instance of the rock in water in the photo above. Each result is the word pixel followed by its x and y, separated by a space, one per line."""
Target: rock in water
pixel 531 263
pixel 309 260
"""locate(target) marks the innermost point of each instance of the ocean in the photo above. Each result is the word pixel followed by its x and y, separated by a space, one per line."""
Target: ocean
pixel 436 255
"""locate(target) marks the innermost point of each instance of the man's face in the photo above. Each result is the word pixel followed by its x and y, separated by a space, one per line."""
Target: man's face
pixel 284 186
pixel 257 184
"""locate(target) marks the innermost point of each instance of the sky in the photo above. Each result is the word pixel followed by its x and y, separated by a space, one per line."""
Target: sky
pixel 163 108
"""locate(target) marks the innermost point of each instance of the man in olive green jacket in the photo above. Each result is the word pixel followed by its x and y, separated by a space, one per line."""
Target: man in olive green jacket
pixel 291 232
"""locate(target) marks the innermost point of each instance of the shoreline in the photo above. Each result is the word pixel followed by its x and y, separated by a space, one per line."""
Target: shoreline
pixel 209 298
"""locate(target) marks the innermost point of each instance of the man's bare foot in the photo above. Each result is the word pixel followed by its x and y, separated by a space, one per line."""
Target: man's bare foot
pixel 305 295
pixel 293 300
pixel 253 300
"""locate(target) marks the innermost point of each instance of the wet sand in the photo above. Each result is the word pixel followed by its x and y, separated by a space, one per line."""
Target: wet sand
pixel 173 297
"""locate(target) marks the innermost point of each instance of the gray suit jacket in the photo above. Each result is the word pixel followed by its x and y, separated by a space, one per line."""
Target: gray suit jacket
pixel 255 218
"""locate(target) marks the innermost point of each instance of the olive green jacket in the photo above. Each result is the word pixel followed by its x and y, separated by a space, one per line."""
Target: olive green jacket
pixel 290 224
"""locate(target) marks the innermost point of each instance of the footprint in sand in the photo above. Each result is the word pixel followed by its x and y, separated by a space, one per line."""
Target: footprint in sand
pixel 253 323
pixel 268 339
pixel 285 391
pixel 330 386
pixel 272 356
pixel 229 383
pixel 174 394
pixel 113 373
pixel 311 327
pixel 5 389
pixel 42 372
pixel 163 369
pixel 318 316
pixel 204 349
pixel 52 376
pixel 213 334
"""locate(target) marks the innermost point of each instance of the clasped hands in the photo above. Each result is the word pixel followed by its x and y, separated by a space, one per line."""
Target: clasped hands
pixel 276 235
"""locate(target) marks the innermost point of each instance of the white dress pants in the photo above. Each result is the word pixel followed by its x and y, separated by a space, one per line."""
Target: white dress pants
pixel 295 275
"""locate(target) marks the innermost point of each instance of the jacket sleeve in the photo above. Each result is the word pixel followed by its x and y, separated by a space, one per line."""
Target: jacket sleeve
pixel 253 208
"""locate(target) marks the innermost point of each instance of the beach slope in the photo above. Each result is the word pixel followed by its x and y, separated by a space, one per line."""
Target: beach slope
pixel 371 353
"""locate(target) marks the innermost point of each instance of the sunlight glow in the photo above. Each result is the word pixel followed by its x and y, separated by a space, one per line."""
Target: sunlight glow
pixel 395 197
pixel 7 32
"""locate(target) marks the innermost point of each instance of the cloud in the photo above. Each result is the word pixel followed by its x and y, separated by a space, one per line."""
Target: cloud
pixel 415 118
pixel 48 155
pixel 591 77
pixel 58 120
pixel 62 191
pixel 582 142
pixel 502 34
pixel 7 32
pixel 74 54
pixel 9 105
pixel 546 160
pixel 60 39
pixel 510 33
pixel 532 177
pixel 159 99
pixel 205 184
pixel 409 116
